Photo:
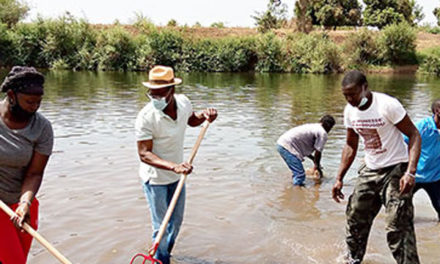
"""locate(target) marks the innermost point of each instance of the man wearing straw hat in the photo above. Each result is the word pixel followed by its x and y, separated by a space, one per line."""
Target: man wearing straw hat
pixel 160 131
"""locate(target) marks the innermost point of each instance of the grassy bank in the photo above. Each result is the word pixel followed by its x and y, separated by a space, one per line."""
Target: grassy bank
pixel 70 43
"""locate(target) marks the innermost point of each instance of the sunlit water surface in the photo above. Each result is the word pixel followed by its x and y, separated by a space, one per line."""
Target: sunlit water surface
pixel 241 207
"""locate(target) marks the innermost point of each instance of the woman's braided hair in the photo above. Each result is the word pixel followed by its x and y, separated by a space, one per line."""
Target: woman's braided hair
pixel 23 79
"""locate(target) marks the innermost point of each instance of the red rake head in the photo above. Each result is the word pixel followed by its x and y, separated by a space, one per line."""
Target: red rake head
pixel 146 258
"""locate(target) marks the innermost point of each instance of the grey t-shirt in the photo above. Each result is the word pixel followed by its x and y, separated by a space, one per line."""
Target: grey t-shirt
pixel 302 140
pixel 16 149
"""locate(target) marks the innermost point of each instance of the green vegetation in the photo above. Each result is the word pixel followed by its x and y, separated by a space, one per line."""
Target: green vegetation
pixel 218 25
pixel 329 13
pixel 12 11
pixel 340 13
pixel 430 61
pixel 381 13
pixel 397 44
pixel 436 13
pixel 70 43
pixel 274 17
pixel 172 23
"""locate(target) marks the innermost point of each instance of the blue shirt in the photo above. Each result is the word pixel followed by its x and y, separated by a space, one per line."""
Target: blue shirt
pixel 428 169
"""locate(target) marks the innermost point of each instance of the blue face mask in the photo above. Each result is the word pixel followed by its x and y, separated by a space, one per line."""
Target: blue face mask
pixel 364 99
pixel 159 104
pixel 363 102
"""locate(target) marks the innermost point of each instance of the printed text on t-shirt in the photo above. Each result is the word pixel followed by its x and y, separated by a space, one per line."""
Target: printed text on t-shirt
pixel 367 129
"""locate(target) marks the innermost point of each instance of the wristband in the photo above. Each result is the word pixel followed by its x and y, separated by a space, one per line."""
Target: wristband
pixel 410 174
pixel 27 202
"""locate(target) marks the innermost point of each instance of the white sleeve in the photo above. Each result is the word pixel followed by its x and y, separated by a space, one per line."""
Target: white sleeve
pixel 143 128
pixel 187 105
pixel 394 111
pixel 347 122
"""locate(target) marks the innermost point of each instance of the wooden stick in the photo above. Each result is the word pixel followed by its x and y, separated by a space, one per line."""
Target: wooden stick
pixel 36 235
pixel 177 192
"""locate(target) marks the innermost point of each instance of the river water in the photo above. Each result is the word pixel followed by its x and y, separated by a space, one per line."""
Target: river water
pixel 241 207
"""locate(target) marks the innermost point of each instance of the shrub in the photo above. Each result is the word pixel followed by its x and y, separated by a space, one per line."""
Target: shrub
pixel 115 50
pixel 269 53
pixel 218 55
pixel 430 61
pixel 361 48
pixel 166 47
pixel 397 44
pixel 69 41
pixel 218 25
pixel 313 53
pixel 6 46
pixel 143 53
pixel 28 42
pixel 143 23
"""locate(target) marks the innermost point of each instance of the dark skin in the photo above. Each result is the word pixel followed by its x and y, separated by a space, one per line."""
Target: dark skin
pixel 437 116
pixel 145 147
pixel 353 94
pixel 317 157
pixel 35 170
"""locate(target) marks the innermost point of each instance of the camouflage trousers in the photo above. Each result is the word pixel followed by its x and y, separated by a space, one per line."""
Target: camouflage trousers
pixel 373 189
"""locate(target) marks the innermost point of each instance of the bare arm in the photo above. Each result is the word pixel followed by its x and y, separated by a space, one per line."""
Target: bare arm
pixel 146 155
pixel 414 145
pixel 348 156
pixel 317 162
pixel 31 184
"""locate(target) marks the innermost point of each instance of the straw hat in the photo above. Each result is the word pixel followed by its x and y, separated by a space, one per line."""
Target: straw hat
pixel 160 77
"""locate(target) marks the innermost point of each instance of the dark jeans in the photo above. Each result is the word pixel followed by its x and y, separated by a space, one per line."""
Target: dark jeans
pixel 433 191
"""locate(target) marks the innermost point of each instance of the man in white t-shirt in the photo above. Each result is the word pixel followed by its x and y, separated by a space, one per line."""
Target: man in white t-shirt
pixel 160 131
pixel 300 142
pixel 387 177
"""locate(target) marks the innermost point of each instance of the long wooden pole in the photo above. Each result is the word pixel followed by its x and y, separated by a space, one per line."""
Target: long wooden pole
pixel 36 235
pixel 177 192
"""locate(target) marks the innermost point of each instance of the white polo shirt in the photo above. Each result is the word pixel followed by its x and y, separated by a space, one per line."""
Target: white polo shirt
pixel 167 135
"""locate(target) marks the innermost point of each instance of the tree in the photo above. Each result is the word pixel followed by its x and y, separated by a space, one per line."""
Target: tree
pixel 418 14
pixel 172 23
pixel 12 11
pixel 436 13
pixel 379 13
pixel 328 13
pixel 274 17
pixel 303 14
pixel 333 13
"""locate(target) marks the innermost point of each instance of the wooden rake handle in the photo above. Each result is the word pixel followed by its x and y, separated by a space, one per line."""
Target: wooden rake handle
pixel 177 192
pixel 36 235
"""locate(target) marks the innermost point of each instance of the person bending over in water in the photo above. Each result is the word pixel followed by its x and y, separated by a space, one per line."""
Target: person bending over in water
pixel 300 142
